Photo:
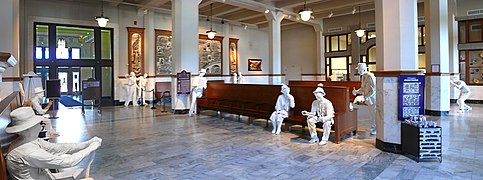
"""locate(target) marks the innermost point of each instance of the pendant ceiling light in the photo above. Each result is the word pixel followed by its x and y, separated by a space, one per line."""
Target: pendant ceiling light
pixel 305 13
pixel 102 20
pixel 211 33
pixel 360 32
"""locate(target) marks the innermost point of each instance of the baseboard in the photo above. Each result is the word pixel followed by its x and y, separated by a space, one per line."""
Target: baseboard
pixel 474 101
pixel 388 147
pixel 452 101
pixel 181 111
pixel 436 113
pixel 121 103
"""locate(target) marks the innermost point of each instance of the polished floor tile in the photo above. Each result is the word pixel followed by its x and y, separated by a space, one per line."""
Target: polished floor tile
pixel 140 143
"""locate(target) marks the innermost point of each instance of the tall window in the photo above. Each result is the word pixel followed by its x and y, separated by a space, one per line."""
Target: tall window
pixel 421 36
pixel 336 43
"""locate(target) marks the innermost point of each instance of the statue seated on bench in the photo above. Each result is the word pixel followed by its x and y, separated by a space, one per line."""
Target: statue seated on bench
pixel 33 158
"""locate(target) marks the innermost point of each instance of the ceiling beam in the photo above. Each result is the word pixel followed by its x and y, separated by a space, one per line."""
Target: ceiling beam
pixel 228 11
pixel 115 2
pixel 292 3
pixel 155 3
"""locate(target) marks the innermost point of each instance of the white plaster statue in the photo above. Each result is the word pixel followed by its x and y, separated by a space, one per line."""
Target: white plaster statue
pixel 31 157
pixel 235 78
pixel 284 102
pixel 464 94
pixel 368 90
pixel 197 86
pixel 241 78
pixel 131 90
pixel 143 80
pixel 322 110
pixel 35 104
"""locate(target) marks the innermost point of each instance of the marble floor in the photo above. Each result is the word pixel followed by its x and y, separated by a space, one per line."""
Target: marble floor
pixel 140 143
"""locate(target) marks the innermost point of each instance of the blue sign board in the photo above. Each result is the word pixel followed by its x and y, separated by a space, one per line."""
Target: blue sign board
pixel 183 82
pixel 410 96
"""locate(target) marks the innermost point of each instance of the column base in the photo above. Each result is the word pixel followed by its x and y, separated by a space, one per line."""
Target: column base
pixel 181 111
pixel 388 147
pixel 436 113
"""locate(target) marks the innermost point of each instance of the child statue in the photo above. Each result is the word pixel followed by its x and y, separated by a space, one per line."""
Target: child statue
pixel 143 80
pixel 464 93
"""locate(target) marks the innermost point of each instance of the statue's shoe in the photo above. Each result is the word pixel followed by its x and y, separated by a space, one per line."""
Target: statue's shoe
pixel 314 140
pixel 323 143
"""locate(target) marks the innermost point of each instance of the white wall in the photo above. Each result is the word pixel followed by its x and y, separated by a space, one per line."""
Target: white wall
pixel 252 43
pixel 299 53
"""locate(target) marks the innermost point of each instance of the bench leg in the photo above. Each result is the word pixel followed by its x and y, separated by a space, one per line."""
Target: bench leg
pixel 354 132
pixel 337 137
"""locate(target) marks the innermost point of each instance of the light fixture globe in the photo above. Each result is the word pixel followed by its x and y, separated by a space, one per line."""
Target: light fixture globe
pixel 360 32
pixel 102 21
pixel 211 34
pixel 305 14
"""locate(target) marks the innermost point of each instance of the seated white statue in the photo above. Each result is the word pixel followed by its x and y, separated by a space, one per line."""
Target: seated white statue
pixel 284 102
pixel 368 90
pixel 464 94
pixel 321 111
pixel 131 90
pixel 241 78
pixel 198 85
pixel 31 157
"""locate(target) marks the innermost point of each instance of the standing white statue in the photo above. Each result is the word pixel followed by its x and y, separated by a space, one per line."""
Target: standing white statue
pixel 197 86
pixel 464 94
pixel 368 90
pixel 35 104
pixel 241 78
pixel 131 90
pixel 321 111
pixel 143 81
pixel 31 157
pixel 285 101
pixel 235 78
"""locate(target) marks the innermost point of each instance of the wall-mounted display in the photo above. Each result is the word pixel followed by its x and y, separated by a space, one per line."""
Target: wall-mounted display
pixel 254 64
pixel 210 54
pixel 136 50
pixel 164 52
pixel 411 96
pixel 233 44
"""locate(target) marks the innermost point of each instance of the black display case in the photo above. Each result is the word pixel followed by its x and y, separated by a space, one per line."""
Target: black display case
pixel 422 143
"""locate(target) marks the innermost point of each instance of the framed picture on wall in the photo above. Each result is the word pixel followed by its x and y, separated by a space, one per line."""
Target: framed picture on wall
pixel 233 46
pixel 254 64
pixel 164 52
pixel 136 50
pixel 210 54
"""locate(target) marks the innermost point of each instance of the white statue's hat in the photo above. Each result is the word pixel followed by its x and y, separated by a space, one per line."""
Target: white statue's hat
pixel 23 118
pixel 284 87
pixel 361 66
pixel 320 89
pixel 203 71
pixel 38 90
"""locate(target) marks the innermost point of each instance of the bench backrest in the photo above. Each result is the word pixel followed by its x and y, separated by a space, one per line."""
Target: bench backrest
pixel 349 84
pixel 267 94
pixel 339 96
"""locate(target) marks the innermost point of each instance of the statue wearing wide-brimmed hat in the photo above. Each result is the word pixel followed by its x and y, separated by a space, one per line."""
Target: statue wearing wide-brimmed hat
pixel 322 111
pixel 31 157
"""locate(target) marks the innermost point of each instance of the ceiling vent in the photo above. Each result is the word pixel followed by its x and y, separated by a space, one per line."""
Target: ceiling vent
pixel 474 12
pixel 371 25
pixel 336 29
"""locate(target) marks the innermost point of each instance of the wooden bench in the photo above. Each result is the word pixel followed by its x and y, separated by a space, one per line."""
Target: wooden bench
pixel 349 84
pixel 259 101
pixel 7 105
pixel 345 121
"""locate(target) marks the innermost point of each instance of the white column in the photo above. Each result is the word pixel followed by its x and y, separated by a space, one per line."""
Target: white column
pixel 320 38
pixel 185 44
pixel 10 29
pixel 453 46
pixel 437 53
pixel 397 52
pixel 149 59
pixel 275 45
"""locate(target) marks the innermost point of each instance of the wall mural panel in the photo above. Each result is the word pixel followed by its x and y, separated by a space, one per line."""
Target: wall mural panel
pixel 136 50
pixel 163 55
pixel 233 44
pixel 210 54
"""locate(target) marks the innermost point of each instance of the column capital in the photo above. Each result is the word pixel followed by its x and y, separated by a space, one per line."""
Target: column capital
pixel 319 26
pixel 275 16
